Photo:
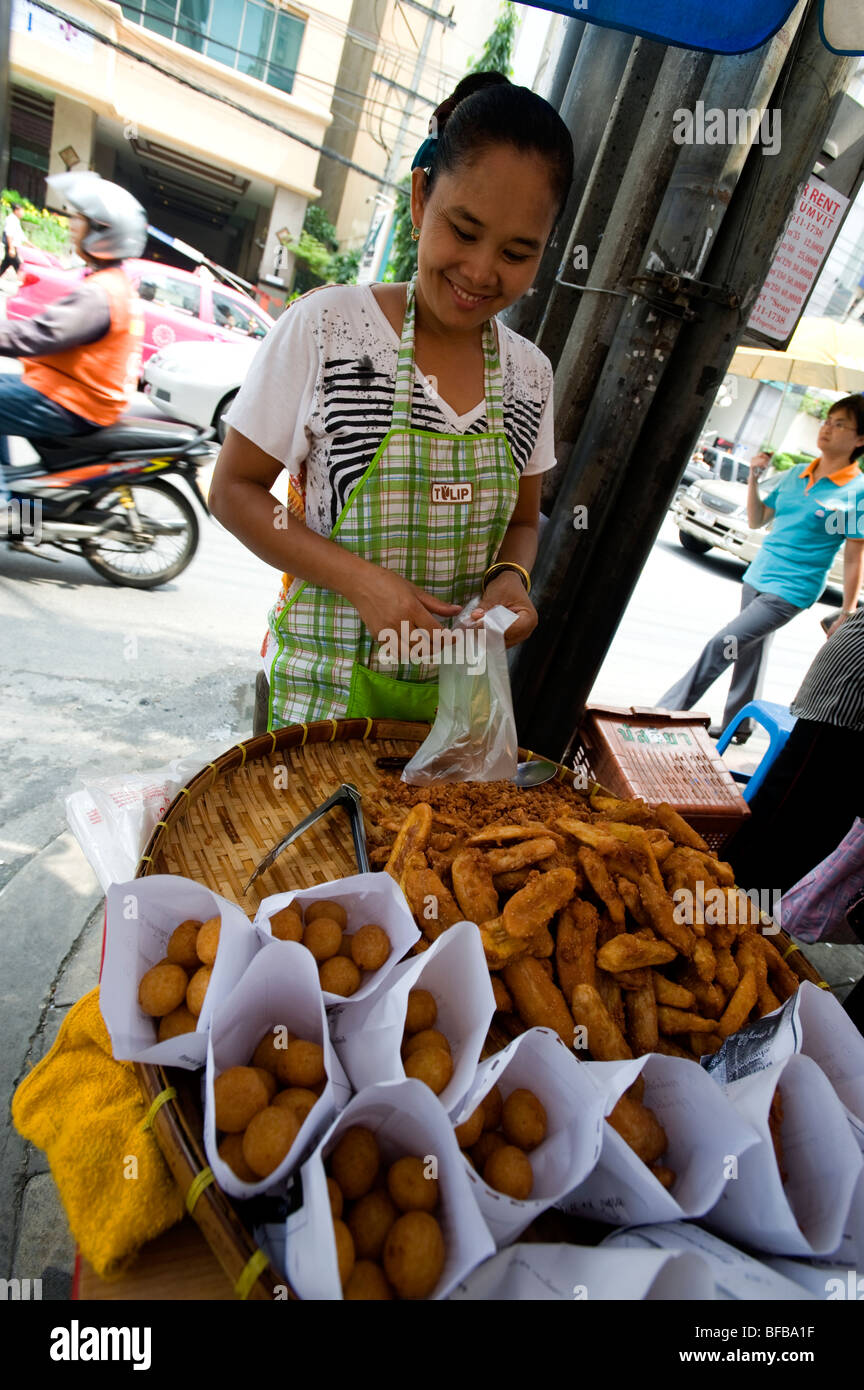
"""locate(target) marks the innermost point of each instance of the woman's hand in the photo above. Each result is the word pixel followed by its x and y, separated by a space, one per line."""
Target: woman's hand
pixel 385 600
pixel 758 464
pixel 507 589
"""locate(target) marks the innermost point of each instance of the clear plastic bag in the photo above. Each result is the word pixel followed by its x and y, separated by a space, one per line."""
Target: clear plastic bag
pixel 473 738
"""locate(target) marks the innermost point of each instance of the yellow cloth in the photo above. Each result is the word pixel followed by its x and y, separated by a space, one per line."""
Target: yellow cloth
pixel 85 1110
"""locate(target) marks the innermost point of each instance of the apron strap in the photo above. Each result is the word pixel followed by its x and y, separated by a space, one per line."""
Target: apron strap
pixel 403 397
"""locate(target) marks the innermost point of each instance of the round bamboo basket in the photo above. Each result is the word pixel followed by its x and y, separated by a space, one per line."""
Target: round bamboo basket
pixel 215 832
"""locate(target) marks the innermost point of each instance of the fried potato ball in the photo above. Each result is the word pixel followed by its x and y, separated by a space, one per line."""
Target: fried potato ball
pixel 432 1065
pixel 268 1138
pixel 238 1094
pixel 367 1283
pixel 323 937
pixel 345 948
pixel 369 1222
pixel 344 1251
pixel 207 943
pixel 337 1201
pixel 287 925
pixel 428 1037
pixel 414 1254
pixel 178 1021
pixel 486 1145
pixel 298 1099
pixel 269 1080
pixel 409 1186
pixel 523 1119
pixel 492 1107
pixel 509 1170
pixel 355 1161
pixel 181 945
pixel 162 989
pixel 370 947
pixel 231 1152
pixel 326 908
pixel 422 1011
pixel 197 990
pixel 339 975
pixel 267 1054
pixel 470 1130
pixel 300 1063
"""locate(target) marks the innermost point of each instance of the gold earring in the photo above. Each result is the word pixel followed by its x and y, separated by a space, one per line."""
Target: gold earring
pixel 415 233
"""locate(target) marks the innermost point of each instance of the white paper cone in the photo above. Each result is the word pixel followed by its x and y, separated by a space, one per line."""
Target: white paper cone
pixel 706 1134
pixel 540 1062
pixel 280 987
pixel 365 898
pixel 368 1035
pixel 736 1275
pixel 140 917
pixel 568 1273
pixel 406 1119
pixel 807 1214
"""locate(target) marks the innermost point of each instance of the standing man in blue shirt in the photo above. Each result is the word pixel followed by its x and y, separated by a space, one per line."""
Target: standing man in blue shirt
pixel 814 508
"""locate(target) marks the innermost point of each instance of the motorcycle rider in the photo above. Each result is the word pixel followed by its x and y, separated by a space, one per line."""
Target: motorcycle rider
pixel 83 352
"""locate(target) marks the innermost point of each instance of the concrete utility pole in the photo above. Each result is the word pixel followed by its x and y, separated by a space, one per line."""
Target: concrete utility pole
pixel 5 89
pixel 661 371
pixel 385 200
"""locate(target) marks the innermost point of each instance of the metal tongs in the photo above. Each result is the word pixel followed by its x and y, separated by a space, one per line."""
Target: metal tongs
pixel 348 796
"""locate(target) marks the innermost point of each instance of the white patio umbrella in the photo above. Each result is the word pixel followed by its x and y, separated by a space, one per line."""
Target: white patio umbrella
pixel 822 352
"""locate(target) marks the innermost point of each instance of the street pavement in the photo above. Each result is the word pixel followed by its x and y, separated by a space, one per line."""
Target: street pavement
pixel 103 681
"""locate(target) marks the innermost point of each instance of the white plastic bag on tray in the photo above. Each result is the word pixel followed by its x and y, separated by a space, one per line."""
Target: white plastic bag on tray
pixel 368 1035
pixel 140 917
pixel 704 1131
pixel 564 1273
pixel 539 1061
pixel 736 1276
pixel 365 898
pixel 280 987
pixel 112 818
pixel 813 1023
pixel 805 1215
pixel 473 738
pixel 406 1119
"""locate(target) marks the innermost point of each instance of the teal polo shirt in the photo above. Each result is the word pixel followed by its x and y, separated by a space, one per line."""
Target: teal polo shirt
pixel 811 522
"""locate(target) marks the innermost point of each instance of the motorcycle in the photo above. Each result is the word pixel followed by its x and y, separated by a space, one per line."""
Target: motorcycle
pixel 104 496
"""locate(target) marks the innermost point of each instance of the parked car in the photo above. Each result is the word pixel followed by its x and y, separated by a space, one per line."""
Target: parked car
pixel 179 305
pixel 197 382
pixel 715 514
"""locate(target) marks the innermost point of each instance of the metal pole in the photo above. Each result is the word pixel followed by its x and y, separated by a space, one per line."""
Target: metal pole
pixel 551 674
pixel 5 89
pixel 567 41
pixel 600 63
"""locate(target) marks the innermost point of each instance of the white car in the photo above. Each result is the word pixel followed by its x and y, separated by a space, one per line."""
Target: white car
pixel 715 514
pixel 197 381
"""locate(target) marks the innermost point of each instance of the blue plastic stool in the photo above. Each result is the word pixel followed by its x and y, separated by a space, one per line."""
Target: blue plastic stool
pixel 779 724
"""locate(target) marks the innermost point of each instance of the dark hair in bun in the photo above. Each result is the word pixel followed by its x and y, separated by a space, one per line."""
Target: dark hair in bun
pixel 487 109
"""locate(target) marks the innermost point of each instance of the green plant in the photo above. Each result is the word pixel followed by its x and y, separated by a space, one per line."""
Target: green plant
pixel 319 260
pixel 47 230
pixel 498 48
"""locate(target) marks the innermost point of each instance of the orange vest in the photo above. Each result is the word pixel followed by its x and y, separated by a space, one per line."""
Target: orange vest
pixel 97 381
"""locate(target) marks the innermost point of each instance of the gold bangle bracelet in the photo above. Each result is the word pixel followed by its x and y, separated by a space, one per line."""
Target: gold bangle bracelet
pixel 499 567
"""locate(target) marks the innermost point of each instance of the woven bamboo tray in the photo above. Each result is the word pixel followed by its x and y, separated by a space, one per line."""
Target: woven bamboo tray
pixel 215 832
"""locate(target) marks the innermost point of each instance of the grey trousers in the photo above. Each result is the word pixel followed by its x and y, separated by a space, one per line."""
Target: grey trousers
pixel 745 642
pixel 262 701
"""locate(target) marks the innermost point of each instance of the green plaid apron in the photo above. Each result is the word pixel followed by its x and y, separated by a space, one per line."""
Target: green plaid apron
pixel 433 508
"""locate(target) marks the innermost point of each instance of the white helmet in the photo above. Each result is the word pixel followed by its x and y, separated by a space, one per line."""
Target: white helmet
pixel 118 223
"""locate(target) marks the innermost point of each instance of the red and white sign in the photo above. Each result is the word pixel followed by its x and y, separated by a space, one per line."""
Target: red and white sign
pixel 806 242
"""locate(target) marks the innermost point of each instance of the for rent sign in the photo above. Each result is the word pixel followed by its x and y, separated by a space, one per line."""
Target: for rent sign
pixel 806 242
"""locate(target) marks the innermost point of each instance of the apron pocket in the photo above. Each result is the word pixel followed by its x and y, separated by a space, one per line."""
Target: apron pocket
pixel 378 696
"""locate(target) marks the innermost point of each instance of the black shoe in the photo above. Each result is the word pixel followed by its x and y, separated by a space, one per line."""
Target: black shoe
pixel 739 736
pixel 715 730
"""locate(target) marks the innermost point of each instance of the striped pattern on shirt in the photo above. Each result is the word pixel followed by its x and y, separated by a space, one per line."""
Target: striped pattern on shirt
pixel 832 691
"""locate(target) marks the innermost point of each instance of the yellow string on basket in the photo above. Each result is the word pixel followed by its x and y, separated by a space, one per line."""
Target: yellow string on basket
pixel 254 1266
pixel 335 724
pixel 242 747
pixel 275 740
pixel 305 728
pixel 368 728
pixel 793 946
pixel 184 791
pixel 199 1184
pixel 162 1099
pixel 215 770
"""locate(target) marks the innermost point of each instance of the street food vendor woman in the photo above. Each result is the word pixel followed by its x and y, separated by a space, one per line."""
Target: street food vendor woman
pixel 414 427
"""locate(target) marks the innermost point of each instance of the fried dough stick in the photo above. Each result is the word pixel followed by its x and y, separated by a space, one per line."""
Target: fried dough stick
pixel 606 1041
pixel 676 827
pixel 538 1002
pixel 473 886
pixel 603 884
pixel 575 946
pixel 413 835
pixel 434 907
pixel 516 856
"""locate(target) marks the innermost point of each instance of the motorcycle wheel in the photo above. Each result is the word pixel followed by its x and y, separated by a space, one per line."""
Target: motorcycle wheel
pixel 159 551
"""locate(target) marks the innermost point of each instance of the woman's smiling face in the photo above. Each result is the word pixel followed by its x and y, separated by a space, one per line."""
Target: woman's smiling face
pixel 483 229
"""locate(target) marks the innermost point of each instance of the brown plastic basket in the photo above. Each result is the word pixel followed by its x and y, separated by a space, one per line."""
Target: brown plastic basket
pixel 215 831
pixel 662 755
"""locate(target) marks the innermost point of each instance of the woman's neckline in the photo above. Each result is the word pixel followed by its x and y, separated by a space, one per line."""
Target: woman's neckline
pixel 469 416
